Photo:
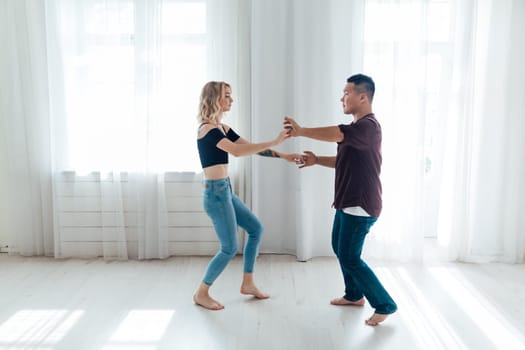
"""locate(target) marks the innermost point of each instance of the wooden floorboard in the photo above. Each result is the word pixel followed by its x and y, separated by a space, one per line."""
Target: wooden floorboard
pixel 78 304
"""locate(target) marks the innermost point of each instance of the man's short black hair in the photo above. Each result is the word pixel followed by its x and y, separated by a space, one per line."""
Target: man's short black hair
pixel 363 84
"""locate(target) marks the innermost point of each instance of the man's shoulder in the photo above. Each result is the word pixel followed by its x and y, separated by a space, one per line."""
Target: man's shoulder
pixel 369 121
pixel 372 117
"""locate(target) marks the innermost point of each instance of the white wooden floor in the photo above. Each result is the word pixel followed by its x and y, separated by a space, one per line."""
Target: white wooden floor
pixel 93 304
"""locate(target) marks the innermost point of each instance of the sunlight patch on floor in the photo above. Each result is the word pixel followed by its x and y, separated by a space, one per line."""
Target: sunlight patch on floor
pixel 426 325
pixel 42 327
pixel 442 331
pixel 495 327
pixel 143 326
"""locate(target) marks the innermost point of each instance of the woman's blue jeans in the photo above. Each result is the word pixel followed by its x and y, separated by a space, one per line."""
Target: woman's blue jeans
pixel 348 237
pixel 227 211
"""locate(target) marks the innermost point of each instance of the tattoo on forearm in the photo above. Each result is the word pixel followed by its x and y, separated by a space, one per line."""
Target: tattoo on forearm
pixel 269 153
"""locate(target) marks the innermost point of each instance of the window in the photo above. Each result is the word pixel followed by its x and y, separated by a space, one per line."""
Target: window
pixel 132 73
pixel 408 47
pixel 395 26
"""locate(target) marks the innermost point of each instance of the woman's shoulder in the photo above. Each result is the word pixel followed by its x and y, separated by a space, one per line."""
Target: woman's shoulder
pixel 205 128
pixel 225 127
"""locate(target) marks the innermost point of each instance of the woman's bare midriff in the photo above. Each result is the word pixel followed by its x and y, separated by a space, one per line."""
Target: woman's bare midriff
pixel 216 172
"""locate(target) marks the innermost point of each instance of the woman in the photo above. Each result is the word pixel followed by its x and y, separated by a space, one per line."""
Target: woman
pixel 215 141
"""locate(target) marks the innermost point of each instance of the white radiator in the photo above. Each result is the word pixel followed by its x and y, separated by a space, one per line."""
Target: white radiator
pixel 82 215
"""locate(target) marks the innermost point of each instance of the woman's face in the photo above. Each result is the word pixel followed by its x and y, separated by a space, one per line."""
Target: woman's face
pixel 226 100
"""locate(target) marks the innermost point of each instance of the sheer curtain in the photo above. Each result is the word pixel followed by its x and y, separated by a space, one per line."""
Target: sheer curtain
pixel 310 68
pixel 398 52
pixel 229 60
pixel 94 99
pixel 453 160
pixel 100 105
pixel 442 71
pixel 482 187
pixel 119 103
pixel 294 72
pixel 25 129
pixel 133 71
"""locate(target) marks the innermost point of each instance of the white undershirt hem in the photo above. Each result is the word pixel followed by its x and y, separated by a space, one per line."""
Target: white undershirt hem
pixel 356 211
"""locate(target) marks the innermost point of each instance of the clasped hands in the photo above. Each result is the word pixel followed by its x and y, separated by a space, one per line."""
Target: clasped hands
pixel 306 159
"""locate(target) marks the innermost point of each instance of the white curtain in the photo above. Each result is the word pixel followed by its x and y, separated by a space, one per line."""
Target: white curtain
pixel 312 52
pixel 25 129
pixel 143 63
pixel 293 74
pixel 482 190
pixel 229 60
pixel 99 103
pixel 442 71
pixel 93 98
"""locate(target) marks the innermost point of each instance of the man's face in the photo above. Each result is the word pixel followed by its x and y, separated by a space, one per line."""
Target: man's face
pixel 350 98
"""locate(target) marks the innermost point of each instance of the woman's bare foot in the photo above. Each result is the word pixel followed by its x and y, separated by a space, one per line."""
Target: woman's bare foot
pixel 248 287
pixel 376 319
pixel 343 302
pixel 202 298
pixel 207 302
pixel 252 290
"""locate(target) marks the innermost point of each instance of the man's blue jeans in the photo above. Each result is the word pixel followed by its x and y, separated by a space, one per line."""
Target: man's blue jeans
pixel 348 237
pixel 227 211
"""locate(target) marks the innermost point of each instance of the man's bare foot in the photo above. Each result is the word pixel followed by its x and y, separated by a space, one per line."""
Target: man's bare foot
pixel 252 290
pixel 207 302
pixel 376 319
pixel 342 301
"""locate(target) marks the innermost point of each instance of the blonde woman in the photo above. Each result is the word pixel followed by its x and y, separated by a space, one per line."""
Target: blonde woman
pixel 215 142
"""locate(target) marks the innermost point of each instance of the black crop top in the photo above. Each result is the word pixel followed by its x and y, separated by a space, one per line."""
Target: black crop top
pixel 209 153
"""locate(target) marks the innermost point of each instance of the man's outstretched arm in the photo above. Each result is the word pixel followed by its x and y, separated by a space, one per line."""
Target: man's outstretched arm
pixel 327 133
pixel 310 158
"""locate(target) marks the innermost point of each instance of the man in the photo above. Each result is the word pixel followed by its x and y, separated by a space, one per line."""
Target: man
pixel 357 192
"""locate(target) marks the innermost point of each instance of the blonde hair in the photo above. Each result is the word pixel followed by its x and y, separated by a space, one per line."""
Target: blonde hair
pixel 209 106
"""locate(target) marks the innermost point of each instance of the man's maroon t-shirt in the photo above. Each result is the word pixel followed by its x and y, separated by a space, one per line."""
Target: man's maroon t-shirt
pixel 358 165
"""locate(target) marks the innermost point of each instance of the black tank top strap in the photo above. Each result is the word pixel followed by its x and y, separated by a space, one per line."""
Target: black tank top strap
pixel 201 125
